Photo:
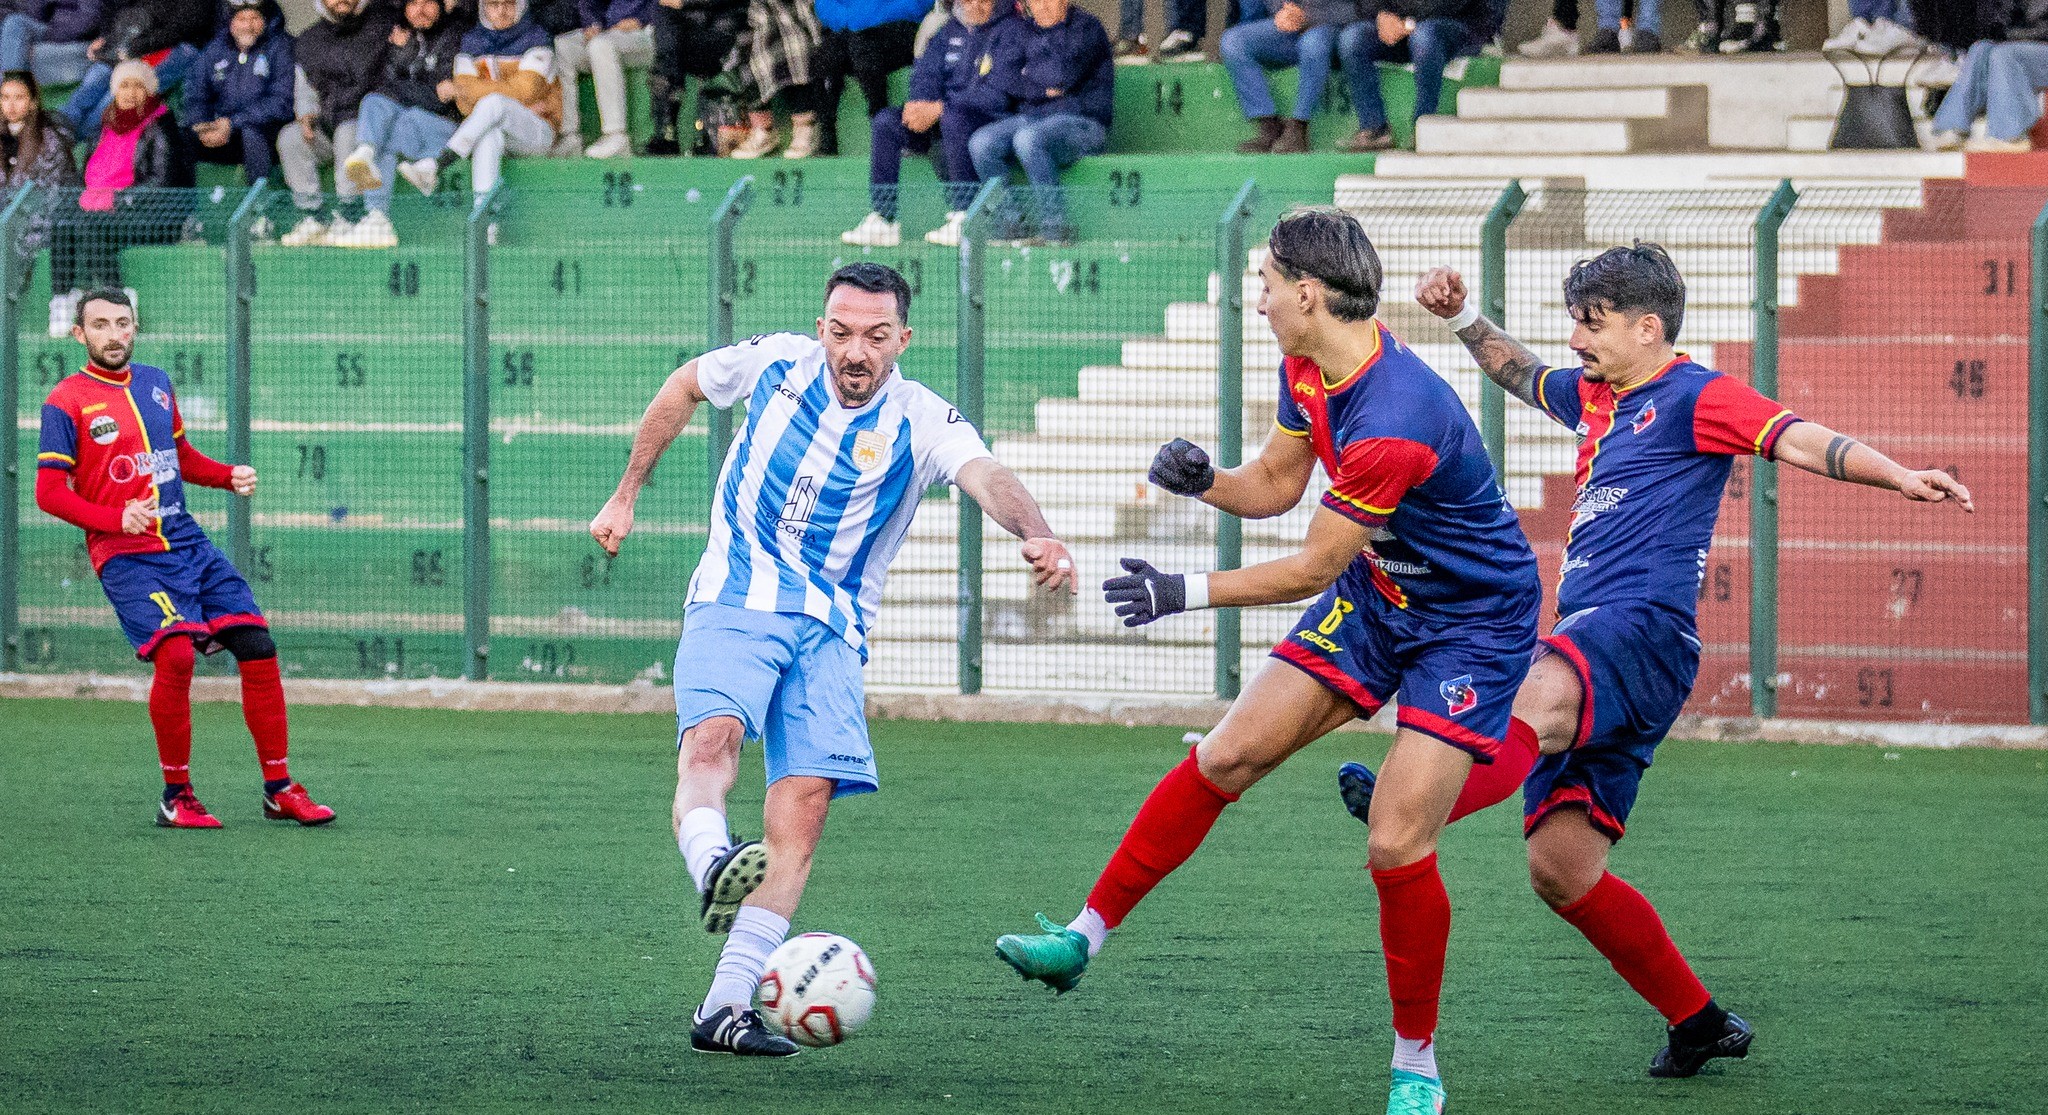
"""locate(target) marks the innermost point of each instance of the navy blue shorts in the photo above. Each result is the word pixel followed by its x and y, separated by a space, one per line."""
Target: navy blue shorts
pixel 192 590
pixel 1636 664
pixel 1456 677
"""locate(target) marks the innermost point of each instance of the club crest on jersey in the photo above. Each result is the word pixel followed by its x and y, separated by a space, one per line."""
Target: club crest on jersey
pixel 104 429
pixel 163 400
pixel 870 449
pixel 1459 694
pixel 1644 417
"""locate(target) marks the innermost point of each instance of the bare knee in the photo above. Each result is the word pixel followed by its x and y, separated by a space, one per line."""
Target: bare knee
pixel 1398 842
pixel 711 746
pixel 1231 767
pixel 1549 702
pixel 1562 872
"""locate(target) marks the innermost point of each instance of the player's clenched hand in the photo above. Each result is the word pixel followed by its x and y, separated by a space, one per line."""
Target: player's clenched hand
pixel 137 516
pixel 612 525
pixel 1052 567
pixel 1182 468
pixel 1934 486
pixel 1442 292
pixel 1145 593
pixel 242 478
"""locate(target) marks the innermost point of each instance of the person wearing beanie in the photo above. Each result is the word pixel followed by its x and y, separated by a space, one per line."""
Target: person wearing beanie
pixel 339 60
pixel 240 93
pixel 167 34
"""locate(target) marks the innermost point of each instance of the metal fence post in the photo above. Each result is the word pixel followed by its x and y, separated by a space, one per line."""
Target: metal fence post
pixel 1763 493
pixel 2037 479
pixel 241 366
pixel 724 288
pixel 969 396
pixel 1230 264
pixel 476 437
pixel 13 273
pixel 1493 302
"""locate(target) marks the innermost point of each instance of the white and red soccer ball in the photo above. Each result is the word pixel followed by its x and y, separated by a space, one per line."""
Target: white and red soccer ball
pixel 818 989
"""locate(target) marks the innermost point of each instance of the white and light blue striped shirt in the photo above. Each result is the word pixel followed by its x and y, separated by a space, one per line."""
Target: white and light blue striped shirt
pixel 815 498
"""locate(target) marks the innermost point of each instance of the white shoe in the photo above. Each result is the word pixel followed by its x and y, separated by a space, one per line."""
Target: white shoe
pixel 424 174
pixel 361 168
pixel 612 146
pixel 1850 37
pixel 1554 42
pixel 1885 37
pixel 874 231
pixel 308 233
pixel 1992 145
pixel 803 141
pixel 263 228
pixel 1179 46
pixel 1939 72
pixel 948 235
pixel 63 311
pixel 339 231
pixel 373 231
pixel 759 143
pixel 1949 141
pixel 566 147
pixel 491 234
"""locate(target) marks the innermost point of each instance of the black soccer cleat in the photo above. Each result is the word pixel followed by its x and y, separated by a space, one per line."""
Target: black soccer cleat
pixel 733 876
pixel 1354 785
pixel 1681 1058
pixel 738 1031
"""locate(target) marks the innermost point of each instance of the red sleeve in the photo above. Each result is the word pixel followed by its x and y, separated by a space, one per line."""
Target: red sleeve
pixel 1374 473
pixel 54 495
pixel 1731 418
pixel 201 469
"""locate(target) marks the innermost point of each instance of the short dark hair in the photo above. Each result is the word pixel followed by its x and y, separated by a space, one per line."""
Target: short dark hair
pixel 115 295
pixel 1330 246
pixel 1636 280
pixel 875 278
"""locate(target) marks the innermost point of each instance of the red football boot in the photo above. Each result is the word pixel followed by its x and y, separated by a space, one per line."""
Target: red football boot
pixel 293 804
pixel 185 812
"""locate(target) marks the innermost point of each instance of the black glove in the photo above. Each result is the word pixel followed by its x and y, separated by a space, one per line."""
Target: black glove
pixel 1182 468
pixel 1146 593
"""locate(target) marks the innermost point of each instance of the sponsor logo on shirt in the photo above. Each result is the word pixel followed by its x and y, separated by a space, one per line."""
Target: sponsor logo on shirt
pixel 1398 568
pixel 1593 500
pixel 104 429
pixel 1459 695
pixel 161 465
pixel 1644 417
pixel 1570 564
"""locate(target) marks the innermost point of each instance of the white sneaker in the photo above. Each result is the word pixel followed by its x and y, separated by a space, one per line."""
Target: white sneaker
pixel 373 231
pixel 63 310
pixel 948 235
pixel 1850 37
pixel 1179 46
pixel 339 231
pixel 491 234
pixel 759 143
pixel 263 228
pixel 1938 72
pixel 874 231
pixel 1948 141
pixel 1885 37
pixel 612 146
pixel 308 233
pixel 361 168
pixel 1554 42
pixel 803 141
pixel 424 174
pixel 1992 145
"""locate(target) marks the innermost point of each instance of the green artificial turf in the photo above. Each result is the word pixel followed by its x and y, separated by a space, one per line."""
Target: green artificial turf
pixel 499 921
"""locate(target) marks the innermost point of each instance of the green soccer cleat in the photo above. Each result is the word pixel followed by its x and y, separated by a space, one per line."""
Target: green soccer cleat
pixel 1415 1094
pixel 1057 957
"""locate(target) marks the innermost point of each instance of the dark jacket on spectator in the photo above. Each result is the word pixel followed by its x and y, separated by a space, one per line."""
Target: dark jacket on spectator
pixel 2026 20
pixel 143 27
pixel 250 90
pixel 609 13
pixel 413 73
pixel 1071 56
pixel 49 163
pixel 69 21
pixel 342 59
pixel 949 70
pixel 859 15
pixel 1479 15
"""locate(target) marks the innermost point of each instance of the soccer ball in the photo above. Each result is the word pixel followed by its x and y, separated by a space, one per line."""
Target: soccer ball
pixel 819 988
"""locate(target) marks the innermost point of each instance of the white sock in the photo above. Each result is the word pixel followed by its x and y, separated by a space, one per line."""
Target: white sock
pixel 1091 926
pixel 755 933
pixel 1418 1057
pixel 703 839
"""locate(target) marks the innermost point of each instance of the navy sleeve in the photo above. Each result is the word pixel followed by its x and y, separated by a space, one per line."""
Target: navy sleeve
pixel 58 448
pixel 1557 392
pixel 928 73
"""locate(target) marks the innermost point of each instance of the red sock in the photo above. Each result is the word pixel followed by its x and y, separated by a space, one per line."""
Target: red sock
pixel 1623 925
pixel 263 711
pixel 1491 783
pixel 1168 829
pixel 1415 929
pixel 170 708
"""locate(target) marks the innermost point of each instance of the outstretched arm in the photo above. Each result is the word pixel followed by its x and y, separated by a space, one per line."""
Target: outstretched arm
pixel 665 418
pixel 1144 594
pixel 1505 360
pixel 1823 452
pixel 1009 503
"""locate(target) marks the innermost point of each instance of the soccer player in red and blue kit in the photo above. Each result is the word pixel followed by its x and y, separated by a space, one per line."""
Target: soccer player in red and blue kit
pixel 1660 433
pixel 1427 588
pixel 114 462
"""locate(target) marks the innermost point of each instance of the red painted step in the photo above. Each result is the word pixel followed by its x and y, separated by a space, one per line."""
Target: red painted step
pixel 1991 689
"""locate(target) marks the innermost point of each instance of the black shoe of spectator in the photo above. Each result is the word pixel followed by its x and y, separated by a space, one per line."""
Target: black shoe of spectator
pixel 1706 39
pixel 828 138
pixel 663 145
pixel 1607 40
pixel 1293 138
pixel 1363 141
pixel 1646 42
pixel 1261 143
pixel 1763 38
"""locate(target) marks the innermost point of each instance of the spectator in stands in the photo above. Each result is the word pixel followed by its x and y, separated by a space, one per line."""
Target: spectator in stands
pixel 692 38
pixel 506 90
pixel 166 34
pixel 1560 35
pixel 410 116
pixel 867 40
pixel 340 59
pixel 1301 34
pixel 1876 27
pixel 240 95
pixel 950 98
pixel 2002 82
pixel 141 152
pixel 773 59
pixel 1187 23
pixel 1742 26
pixel 35 149
pixel 1428 33
pixel 615 34
pixel 1646 22
pixel 1060 73
pixel 48 37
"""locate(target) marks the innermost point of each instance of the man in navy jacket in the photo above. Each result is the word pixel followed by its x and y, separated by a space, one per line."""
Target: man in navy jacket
pixel 954 89
pixel 239 94
pixel 1058 65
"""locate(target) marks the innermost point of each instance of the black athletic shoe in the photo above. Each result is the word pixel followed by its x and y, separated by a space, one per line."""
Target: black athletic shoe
pixel 1354 785
pixel 733 876
pixel 738 1031
pixel 1607 40
pixel 1684 1058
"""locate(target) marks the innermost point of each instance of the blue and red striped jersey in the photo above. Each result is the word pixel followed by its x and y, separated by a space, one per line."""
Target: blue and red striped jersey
pixel 118 435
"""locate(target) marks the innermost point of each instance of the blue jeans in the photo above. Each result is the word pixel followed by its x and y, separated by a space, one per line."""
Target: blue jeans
pixel 396 132
pixel 889 139
pixel 1874 10
pixel 2001 82
pixel 1250 49
pixel 22 48
pixel 95 90
pixel 1042 145
pixel 1431 47
pixel 1191 16
pixel 1649 16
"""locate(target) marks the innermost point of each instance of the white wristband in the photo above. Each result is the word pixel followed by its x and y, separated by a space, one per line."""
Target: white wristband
pixel 1197 585
pixel 1465 317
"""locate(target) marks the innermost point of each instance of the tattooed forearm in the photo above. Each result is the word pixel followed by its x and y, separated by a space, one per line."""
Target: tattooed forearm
pixel 1503 359
pixel 1837 457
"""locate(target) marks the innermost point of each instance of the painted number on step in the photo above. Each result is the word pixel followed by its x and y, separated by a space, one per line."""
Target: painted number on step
pixel 596 570
pixel 1906 586
pixel 1738 480
pixel 516 367
pixel 188 369
pixel 348 370
pixel 568 277
pixel 1073 276
pixel 39 645
pixel 1874 687
pixel 1969 379
pixel 618 188
pixel 376 656
pixel 1719 583
pixel 1126 188
pixel 550 658
pixel 748 279
pixel 50 368
pixel 1168 97
pixel 312 461
pixel 786 187
pixel 428 570
pixel 2000 277
pixel 266 568
pixel 405 279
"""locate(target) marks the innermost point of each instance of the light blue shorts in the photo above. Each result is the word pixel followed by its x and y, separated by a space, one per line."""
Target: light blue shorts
pixel 789 680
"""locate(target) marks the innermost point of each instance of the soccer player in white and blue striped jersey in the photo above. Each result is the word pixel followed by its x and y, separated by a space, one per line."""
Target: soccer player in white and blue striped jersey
pixel 816 495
